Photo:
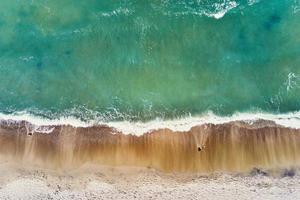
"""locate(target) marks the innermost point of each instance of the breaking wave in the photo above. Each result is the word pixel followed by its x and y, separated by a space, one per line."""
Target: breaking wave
pixel 290 120
pixel 216 10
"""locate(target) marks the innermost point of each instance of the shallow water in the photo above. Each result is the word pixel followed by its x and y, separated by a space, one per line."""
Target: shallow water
pixel 138 60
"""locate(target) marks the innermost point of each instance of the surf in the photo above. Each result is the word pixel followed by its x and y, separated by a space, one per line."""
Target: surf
pixel 234 144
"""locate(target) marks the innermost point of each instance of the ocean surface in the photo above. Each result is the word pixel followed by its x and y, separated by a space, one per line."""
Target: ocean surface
pixel 140 60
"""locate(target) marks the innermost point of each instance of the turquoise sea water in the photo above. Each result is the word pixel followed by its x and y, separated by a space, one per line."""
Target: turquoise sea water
pixel 142 59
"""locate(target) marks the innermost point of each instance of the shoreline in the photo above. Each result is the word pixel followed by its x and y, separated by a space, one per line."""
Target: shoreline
pixel 242 160
pixel 289 120
pixel 237 146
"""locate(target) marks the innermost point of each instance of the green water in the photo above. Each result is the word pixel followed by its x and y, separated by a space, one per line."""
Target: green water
pixel 142 59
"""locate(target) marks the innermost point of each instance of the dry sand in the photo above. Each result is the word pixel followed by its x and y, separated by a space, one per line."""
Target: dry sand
pixel 19 182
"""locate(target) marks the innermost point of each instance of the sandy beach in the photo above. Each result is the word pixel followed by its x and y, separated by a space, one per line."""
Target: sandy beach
pixel 91 182
pixel 235 160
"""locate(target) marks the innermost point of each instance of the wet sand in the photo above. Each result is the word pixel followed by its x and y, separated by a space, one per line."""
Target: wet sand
pixel 231 147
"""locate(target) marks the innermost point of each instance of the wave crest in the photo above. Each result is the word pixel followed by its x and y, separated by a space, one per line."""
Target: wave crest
pixel 291 120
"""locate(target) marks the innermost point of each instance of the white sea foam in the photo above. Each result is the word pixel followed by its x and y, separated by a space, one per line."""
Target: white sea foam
pixel 40 121
pixel 296 6
pixel 222 9
pixel 252 2
pixel 116 12
pixel 216 10
pixel 291 120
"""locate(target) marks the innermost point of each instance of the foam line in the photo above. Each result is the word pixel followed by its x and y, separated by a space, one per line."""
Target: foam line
pixel 291 120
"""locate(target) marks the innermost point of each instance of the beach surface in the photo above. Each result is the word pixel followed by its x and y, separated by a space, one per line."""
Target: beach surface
pixel 90 182
pixel 248 159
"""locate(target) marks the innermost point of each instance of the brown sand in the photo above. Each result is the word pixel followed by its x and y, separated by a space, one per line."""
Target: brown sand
pixel 235 146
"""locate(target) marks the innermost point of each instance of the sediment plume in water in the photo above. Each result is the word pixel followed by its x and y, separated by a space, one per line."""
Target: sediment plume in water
pixel 235 146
